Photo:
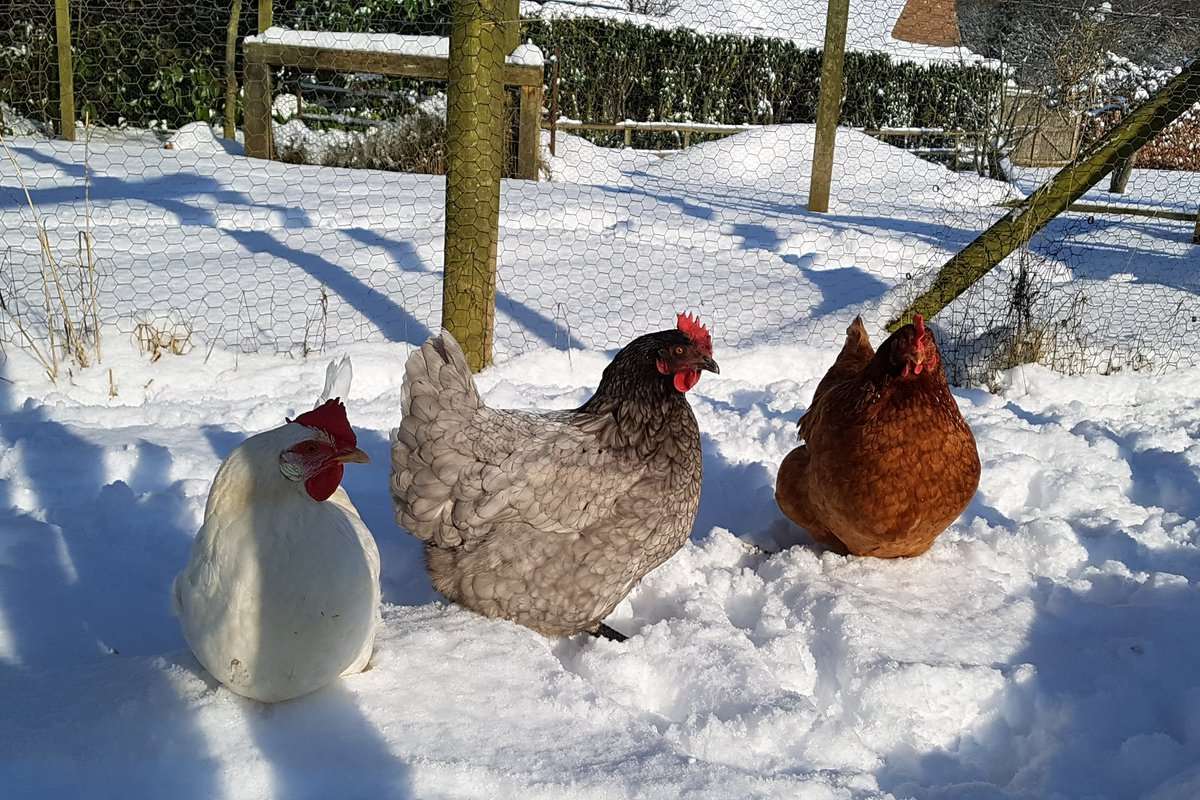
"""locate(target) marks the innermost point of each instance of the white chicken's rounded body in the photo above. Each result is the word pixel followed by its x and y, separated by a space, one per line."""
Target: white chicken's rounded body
pixel 281 594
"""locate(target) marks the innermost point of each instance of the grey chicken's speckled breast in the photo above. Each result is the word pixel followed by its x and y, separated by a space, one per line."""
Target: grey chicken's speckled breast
pixel 547 519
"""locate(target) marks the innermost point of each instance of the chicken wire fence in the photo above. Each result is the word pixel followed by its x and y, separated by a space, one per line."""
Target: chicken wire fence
pixel 670 172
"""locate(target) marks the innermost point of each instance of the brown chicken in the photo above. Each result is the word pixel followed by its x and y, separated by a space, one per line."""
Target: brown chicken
pixel 550 518
pixel 887 462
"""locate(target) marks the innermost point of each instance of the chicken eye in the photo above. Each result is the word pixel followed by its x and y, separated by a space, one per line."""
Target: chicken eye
pixel 678 350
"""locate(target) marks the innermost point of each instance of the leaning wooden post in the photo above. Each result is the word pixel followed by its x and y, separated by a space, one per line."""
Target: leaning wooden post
pixel 1019 225
pixel 475 122
pixel 231 86
pixel 829 104
pixel 66 79
pixel 266 15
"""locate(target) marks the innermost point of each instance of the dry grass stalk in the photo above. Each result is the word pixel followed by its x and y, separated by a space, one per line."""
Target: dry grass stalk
pixel 71 328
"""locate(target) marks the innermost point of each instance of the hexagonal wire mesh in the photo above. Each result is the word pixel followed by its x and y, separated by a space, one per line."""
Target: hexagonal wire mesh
pixel 675 175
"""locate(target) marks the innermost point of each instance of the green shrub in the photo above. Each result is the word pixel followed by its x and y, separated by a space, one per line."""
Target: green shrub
pixel 144 63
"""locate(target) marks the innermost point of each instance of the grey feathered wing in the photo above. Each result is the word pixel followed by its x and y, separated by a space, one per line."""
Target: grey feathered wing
pixel 461 469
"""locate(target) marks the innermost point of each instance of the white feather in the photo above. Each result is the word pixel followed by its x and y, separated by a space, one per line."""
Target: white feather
pixel 338 376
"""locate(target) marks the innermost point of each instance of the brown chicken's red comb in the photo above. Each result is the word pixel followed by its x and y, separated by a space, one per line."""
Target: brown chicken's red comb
pixel 919 324
pixel 330 417
pixel 692 328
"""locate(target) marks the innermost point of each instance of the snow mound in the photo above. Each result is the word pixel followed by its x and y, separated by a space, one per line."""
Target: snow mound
pixel 779 158
pixel 203 139
pixel 576 160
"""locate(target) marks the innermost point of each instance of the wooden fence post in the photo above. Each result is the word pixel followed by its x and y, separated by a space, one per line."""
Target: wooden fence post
pixel 231 86
pixel 66 79
pixel 474 164
pixel 512 25
pixel 529 135
pixel 1053 197
pixel 266 15
pixel 829 104
pixel 1120 175
pixel 256 119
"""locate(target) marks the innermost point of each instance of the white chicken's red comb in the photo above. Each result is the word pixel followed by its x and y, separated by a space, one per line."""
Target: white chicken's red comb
pixel 692 328
pixel 330 417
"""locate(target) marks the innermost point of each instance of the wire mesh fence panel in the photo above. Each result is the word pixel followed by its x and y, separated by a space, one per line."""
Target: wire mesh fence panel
pixel 652 156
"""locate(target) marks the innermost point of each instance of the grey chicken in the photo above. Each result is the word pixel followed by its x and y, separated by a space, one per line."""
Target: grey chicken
pixel 550 518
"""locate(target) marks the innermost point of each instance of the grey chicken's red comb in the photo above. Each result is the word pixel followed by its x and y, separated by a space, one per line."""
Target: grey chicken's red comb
pixel 692 328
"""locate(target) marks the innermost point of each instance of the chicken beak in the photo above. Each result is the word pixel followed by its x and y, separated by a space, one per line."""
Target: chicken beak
pixel 710 365
pixel 354 456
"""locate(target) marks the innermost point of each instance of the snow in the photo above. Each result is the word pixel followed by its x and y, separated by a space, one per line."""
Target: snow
pixel 528 54
pixel 1040 649
pixel 392 43
pixel 576 160
pixel 869 28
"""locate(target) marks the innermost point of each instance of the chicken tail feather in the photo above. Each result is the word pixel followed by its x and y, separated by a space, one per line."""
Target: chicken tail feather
pixel 438 400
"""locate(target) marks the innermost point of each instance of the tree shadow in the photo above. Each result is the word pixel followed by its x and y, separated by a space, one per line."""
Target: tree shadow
pixel 394 322
pixel 841 287
pixel 82 588
pixel 322 744
pixel 1104 707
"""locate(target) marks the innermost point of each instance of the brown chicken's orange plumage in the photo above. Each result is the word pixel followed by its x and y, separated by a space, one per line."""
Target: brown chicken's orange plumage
pixel 888 462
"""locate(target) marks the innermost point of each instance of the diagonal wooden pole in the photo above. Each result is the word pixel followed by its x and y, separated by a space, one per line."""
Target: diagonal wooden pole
pixel 1053 197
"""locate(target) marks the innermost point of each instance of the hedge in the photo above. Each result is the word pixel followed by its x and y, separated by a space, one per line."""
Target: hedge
pixel 146 63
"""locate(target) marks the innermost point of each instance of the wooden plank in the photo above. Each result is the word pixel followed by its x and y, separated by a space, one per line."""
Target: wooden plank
pixel 311 57
pixel 66 75
pixel 1021 224
pixel 1107 208
pixel 829 104
pixel 1196 235
pixel 257 99
pixel 266 15
pixel 529 132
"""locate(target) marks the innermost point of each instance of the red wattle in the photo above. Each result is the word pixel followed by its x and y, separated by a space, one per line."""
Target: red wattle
pixel 686 379
pixel 325 482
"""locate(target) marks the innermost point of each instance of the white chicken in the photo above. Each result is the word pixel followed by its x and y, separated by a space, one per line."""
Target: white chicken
pixel 281 593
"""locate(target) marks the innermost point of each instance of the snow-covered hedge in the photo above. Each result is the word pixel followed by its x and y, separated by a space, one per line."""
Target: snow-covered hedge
pixel 612 71
pixel 155 65
pixel 1123 85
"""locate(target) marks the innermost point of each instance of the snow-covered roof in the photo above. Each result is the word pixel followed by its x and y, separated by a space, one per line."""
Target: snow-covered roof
pixel 799 21
pixel 392 43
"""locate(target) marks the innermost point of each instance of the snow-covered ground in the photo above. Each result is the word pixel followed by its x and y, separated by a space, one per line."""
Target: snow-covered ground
pixel 272 257
pixel 1043 648
pixel 261 255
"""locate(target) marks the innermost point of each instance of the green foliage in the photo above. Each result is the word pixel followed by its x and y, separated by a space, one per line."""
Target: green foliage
pixel 145 63
pixel 613 71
